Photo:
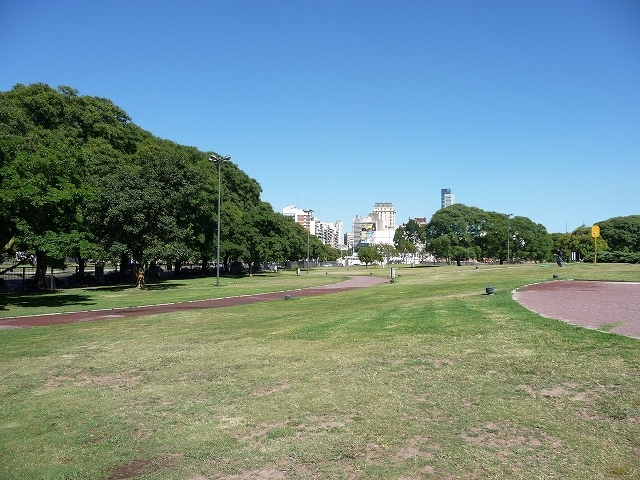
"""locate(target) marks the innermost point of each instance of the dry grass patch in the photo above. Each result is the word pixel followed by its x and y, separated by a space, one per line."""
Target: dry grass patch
pixel 141 467
pixel 80 379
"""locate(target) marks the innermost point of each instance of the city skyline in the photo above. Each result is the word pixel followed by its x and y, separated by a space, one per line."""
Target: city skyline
pixel 529 108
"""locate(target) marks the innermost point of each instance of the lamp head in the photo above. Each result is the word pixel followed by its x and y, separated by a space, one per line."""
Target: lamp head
pixel 218 159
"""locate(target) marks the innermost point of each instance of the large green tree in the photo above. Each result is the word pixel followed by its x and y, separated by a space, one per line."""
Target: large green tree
pixel 529 240
pixel 239 195
pixel 410 238
pixel 147 209
pixel 458 223
pixel 460 232
pixel 263 235
pixel 369 254
pixel 581 243
pixel 622 233
pixel 43 191
pixel 79 179
pixel 45 169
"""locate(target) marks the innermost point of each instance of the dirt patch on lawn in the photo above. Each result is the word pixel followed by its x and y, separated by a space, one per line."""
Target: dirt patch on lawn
pixel 139 467
pixel 509 442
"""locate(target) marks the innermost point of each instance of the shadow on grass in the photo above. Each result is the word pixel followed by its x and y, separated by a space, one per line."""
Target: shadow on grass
pixel 34 300
pixel 129 286
pixel 62 298
pixel 163 286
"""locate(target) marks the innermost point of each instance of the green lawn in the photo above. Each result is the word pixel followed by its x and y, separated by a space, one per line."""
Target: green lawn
pixel 424 378
pixel 169 291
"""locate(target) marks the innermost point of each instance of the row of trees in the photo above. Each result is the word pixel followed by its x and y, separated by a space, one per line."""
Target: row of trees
pixel 619 241
pixel 79 179
pixel 460 232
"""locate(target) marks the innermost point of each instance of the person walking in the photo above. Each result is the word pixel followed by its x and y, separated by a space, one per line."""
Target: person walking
pixel 559 258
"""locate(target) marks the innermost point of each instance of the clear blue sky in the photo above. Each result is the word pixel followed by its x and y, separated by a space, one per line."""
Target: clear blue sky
pixel 523 107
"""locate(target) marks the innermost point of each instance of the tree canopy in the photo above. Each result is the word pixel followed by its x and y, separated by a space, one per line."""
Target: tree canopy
pixel 79 179
pixel 622 233
pixel 622 237
pixel 369 254
pixel 459 232
pixel 409 238
pixel 581 243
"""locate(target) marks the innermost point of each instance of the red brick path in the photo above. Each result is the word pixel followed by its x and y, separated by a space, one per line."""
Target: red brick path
pixel 597 305
pixel 88 316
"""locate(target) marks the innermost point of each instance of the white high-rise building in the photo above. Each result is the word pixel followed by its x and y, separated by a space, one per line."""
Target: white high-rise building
pixel 348 239
pixel 339 228
pixel 303 217
pixel 328 233
pixel 446 198
pixel 378 227
pixel 384 215
pixel 363 229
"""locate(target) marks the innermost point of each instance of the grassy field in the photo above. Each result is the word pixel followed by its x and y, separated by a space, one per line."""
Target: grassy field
pixel 169 291
pixel 424 378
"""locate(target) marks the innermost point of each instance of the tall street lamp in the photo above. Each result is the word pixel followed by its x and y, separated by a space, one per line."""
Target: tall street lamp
pixel 508 217
pixel 309 216
pixel 218 160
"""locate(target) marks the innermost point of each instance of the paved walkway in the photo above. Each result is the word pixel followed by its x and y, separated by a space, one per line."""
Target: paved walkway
pixel 610 306
pixel 88 316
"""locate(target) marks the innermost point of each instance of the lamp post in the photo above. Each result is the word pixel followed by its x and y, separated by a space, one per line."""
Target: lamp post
pixel 309 217
pixel 508 217
pixel 218 160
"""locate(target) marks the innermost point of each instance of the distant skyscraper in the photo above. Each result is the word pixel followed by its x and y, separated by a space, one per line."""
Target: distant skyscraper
pixel 447 198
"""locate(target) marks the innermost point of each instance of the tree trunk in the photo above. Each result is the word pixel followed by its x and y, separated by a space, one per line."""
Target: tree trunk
pixel 81 264
pixel 153 271
pixel 40 279
pixel 124 266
